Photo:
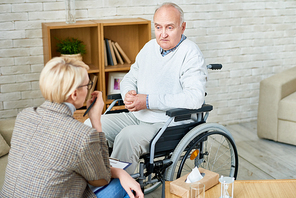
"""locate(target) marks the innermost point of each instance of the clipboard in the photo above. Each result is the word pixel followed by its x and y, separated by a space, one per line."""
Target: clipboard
pixel 119 164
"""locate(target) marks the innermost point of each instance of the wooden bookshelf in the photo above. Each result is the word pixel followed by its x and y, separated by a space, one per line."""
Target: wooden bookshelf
pixel 131 34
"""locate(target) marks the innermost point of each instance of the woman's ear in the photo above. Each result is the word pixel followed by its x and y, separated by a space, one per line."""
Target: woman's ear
pixel 73 96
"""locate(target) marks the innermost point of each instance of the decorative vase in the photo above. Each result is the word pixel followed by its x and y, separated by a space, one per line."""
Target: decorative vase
pixel 70 11
pixel 72 56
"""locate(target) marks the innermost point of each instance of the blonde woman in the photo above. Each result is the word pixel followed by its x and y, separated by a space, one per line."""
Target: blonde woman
pixel 54 155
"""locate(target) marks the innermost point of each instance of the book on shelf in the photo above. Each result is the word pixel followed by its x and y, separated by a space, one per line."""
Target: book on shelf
pixel 124 56
pixel 120 61
pixel 94 79
pixel 109 56
pixel 105 55
pixel 112 52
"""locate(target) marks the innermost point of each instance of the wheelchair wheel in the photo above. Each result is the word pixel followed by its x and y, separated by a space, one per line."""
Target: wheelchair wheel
pixel 148 184
pixel 151 188
pixel 215 150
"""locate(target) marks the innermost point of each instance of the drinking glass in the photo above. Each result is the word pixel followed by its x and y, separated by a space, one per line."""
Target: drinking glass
pixel 227 185
pixel 197 190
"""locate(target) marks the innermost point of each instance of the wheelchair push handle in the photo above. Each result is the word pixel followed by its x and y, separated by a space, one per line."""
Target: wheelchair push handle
pixel 214 66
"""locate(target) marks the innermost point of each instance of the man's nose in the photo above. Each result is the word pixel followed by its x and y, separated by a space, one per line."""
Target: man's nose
pixel 164 33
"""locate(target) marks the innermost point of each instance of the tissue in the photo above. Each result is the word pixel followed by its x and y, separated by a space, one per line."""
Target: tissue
pixel 194 176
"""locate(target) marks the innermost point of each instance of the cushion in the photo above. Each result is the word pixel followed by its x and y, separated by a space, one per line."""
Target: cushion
pixel 287 132
pixel 3 165
pixel 287 107
pixel 6 129
pixel 4 148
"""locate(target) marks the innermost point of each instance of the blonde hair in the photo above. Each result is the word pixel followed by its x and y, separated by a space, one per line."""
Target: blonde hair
pixel 60 77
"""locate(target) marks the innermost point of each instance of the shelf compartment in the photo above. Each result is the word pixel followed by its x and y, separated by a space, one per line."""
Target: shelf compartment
pixel 124 67
pixel 86 31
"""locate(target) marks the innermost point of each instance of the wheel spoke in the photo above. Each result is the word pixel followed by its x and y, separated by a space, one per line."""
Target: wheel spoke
pixel 218 154
pixel 215 159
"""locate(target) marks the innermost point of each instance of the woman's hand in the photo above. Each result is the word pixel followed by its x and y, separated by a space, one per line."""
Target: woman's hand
pixel 127 182
pixel 95 112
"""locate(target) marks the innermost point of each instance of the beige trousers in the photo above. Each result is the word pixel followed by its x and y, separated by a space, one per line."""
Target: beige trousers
pixel 129 137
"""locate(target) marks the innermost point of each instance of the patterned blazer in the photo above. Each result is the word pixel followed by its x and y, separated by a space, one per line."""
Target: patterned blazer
pixel 54 155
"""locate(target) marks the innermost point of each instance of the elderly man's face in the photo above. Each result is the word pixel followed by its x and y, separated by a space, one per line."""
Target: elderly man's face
pixel 168 31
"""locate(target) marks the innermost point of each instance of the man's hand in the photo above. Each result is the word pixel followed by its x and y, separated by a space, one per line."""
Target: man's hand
pixel 129 97
pixel 134 101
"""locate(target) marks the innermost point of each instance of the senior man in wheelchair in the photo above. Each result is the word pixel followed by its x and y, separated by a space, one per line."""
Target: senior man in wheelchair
pixel 169 72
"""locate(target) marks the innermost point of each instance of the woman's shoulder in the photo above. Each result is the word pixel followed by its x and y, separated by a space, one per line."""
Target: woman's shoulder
pixel 77 125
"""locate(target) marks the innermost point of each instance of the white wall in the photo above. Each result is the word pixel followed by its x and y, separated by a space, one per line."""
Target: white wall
pixel 253 39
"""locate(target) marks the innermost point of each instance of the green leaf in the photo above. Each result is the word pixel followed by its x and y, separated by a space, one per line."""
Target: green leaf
pixel 70 46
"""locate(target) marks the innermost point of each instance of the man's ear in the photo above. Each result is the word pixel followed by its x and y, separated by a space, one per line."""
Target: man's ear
pixel 183 27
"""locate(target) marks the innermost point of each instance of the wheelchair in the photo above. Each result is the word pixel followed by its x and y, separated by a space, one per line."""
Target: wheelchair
pixel 176 150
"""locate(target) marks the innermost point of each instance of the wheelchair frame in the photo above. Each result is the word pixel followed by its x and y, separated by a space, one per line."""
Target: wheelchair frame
pixel 174 144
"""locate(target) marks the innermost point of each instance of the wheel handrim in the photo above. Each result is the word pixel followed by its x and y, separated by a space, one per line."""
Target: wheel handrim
pixel 212 163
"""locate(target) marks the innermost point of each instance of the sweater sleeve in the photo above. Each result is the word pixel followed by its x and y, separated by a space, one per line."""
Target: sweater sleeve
pixel 192 79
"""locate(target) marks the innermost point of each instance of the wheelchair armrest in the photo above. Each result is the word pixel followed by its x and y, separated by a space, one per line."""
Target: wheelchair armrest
pixel 116 99
pixel 114 96
pixel 187 112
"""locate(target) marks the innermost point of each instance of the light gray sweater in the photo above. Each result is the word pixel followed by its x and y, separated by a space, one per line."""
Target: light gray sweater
pixel 176 80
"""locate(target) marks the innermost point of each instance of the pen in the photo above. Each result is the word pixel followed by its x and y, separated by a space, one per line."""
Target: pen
pixel 113 159
pixel 90 106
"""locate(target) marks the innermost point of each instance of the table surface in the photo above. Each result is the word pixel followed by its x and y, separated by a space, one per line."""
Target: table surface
pixel 284 188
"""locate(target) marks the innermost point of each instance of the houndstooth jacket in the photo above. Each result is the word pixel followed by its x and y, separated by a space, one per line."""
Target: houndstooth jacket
pixel 54 155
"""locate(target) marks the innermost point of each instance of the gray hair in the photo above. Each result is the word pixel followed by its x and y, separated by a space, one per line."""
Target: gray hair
pixel 169 4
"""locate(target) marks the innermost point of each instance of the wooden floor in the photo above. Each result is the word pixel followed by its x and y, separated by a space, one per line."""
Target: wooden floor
pixel 258 158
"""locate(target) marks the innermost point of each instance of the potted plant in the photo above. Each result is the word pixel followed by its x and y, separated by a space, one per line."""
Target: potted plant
pixel 71 47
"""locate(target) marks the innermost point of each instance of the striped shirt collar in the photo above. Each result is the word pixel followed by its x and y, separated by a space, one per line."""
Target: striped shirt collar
pixel 165 52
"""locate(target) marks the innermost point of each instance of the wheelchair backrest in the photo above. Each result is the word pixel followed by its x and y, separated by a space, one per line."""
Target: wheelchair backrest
pixel 171 137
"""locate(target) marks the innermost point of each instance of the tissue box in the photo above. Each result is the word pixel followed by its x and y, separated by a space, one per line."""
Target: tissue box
pixel 180 188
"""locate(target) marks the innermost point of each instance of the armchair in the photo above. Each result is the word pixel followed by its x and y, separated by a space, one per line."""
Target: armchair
pixel 277 107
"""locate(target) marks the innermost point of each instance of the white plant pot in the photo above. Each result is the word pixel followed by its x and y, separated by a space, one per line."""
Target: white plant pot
pixel 73 56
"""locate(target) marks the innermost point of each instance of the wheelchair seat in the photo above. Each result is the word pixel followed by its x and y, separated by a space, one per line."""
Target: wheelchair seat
pixel 173 134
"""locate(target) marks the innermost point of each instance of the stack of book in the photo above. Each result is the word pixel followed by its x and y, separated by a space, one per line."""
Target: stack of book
pixel 114 54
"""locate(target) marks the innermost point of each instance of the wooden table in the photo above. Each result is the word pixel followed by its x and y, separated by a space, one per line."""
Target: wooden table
pixel 284 188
